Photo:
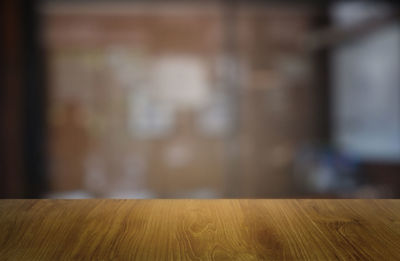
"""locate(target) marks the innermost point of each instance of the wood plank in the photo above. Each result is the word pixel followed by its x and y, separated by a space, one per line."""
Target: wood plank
pixel 102 229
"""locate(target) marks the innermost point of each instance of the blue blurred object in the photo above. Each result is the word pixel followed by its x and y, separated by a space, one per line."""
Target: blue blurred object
pixel 325 171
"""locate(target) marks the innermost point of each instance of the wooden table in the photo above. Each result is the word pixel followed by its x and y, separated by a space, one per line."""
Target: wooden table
pixel 200 230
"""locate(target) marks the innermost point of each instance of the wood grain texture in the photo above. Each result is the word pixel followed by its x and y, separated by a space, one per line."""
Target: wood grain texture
pixel 200 230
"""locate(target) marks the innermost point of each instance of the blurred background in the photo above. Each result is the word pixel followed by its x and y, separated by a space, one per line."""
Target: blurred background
pixel 199 99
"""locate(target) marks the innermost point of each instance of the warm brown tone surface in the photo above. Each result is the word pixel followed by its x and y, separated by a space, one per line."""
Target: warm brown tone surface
pixel 200 229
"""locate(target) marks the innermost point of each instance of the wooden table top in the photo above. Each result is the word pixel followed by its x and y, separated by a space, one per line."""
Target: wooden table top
pixel 199 229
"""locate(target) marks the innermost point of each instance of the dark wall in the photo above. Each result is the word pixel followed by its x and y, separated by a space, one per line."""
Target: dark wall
pixel 21 102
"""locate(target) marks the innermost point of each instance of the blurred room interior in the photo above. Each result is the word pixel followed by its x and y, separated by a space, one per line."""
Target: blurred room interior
pixel 200 99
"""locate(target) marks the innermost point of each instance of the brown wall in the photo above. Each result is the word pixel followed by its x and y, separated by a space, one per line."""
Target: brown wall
pixel 271 95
